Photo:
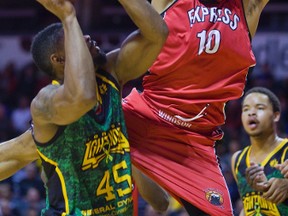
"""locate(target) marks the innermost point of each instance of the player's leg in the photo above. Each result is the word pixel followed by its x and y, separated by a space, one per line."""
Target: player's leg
pixel 192 210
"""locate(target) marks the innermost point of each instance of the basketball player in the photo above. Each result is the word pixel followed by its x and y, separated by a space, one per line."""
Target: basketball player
pixel 262 187
pixel 77 121
pixel 174 123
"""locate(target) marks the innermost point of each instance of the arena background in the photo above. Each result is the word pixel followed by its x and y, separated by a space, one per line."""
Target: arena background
pixel 23 194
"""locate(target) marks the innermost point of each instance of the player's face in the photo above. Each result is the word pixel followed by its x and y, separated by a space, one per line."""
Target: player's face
pixel 257 114
pixel 99 57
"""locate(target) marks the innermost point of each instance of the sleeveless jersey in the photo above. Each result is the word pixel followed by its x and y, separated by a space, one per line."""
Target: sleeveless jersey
pixel 87 163
pixel 203 63
pixel 253 203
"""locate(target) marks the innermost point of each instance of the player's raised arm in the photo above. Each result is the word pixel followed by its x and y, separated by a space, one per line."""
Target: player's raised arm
pixel 141 48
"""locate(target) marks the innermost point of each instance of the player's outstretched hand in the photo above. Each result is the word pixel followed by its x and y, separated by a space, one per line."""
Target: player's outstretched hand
pixel 60 8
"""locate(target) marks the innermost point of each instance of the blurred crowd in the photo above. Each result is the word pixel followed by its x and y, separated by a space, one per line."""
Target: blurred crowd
pixel 23 194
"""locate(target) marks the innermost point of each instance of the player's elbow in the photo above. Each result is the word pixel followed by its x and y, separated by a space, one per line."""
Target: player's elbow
pixel 160 35
pixel 89 99
pixel 86 100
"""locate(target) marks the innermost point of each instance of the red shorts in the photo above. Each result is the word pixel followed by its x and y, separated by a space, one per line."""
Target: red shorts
pixel 181 161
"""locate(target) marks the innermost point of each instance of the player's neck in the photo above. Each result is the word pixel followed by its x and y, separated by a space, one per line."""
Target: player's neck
pixel 265 144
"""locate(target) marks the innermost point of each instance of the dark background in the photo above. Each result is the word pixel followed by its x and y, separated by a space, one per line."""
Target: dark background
pixel 106 21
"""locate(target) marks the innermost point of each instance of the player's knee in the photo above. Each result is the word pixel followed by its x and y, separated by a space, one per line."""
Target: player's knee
pixel 161 205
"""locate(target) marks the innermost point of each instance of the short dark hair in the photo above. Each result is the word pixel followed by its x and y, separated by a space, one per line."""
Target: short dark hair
pixel 45 43
pixel 271 96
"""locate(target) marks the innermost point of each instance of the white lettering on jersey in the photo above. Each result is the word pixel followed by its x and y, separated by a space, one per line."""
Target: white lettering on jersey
pixel 213 15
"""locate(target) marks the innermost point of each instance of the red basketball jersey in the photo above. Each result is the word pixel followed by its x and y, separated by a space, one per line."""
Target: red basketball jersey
pixel 203 64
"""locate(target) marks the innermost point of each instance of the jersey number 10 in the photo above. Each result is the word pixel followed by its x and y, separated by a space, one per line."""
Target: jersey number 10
pixel 209 43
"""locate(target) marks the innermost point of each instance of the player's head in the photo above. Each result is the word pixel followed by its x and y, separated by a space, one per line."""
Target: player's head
pixel 260 111
pixel 48 51
pixel 273 99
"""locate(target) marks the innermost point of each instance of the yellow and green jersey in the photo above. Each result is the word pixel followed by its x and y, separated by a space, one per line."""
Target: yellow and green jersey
pixel 253 203
pixel 87 164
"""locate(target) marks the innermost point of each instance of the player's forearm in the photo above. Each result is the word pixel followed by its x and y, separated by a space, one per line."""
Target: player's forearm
pixel 79 77
pixel 9 168
pixel 16 153
pixel 146 18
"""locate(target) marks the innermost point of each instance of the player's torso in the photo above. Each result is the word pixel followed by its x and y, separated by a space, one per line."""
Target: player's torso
pixel 204 60
pixel 253 203
pixel 87 164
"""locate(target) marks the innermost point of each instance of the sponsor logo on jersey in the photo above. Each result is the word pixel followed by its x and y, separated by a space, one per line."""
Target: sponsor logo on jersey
pixel 110 210
pixel 101 146
pixel 273 163
pixel 214 196
pixel 173 119
pixel 202 14
pixel 254 204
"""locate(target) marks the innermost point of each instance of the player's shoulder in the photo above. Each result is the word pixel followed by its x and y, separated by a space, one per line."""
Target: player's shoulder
pixel 238 155
pixel 42 100
pixel 44 94
pixel 235 155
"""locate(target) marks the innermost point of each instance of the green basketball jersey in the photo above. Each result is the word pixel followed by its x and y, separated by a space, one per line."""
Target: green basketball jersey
pixel 253 203
pixel 87 164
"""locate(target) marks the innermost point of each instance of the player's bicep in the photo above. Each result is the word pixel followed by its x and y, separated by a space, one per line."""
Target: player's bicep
pixel 135 57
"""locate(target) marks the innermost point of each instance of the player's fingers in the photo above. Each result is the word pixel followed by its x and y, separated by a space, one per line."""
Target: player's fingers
pixel 274 197
pixel 251 174
pixel 262 186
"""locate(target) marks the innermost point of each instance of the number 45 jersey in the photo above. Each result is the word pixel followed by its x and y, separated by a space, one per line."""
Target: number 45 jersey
pixel 204 62
pixel 87 164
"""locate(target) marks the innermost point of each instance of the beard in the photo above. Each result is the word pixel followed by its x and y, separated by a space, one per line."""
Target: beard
pixel 100 59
